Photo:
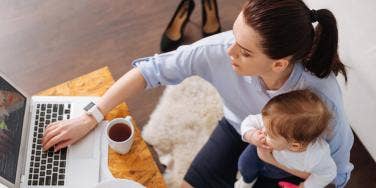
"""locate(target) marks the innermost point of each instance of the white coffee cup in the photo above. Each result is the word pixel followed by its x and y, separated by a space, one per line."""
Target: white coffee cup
pixel 120 134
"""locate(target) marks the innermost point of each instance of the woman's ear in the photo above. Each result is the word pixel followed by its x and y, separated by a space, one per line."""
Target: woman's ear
pixel 280 65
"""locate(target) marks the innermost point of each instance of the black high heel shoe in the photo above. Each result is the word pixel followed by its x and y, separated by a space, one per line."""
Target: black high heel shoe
pixel 210 19
pixel 173 35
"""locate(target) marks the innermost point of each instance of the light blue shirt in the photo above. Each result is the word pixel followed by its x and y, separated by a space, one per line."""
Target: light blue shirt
pixel 244 95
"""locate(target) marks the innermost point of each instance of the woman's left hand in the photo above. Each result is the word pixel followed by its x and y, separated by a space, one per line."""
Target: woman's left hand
pixel 266 155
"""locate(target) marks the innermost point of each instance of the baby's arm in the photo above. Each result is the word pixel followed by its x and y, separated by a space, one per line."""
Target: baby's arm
pixel 252 131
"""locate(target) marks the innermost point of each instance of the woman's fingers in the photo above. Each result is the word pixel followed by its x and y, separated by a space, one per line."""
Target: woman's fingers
pixel 55 140
pixel 51 127
pixel 48 132
pixel 49 139
pixel 64 133
pixel 63 144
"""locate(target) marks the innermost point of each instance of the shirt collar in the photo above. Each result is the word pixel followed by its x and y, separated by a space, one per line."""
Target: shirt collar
pixel 290 82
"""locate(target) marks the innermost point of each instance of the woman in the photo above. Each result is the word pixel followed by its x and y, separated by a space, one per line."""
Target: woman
pixel 272 49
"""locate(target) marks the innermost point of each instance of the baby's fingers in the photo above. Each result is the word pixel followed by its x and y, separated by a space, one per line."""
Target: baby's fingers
pixel 265 146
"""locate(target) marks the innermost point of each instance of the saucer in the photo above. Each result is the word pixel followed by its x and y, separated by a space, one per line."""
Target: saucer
pixel 119 183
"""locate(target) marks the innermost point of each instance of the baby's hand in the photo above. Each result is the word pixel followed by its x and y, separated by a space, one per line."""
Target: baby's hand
pixel 257 137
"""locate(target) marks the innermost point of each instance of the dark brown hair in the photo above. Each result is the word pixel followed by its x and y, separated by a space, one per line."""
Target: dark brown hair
pixel 286 28
pixel 296 116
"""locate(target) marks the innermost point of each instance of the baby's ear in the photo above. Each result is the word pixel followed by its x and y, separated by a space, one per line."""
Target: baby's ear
pixel 296 145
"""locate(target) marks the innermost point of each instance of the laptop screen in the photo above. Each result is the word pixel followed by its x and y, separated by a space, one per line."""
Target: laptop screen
pixel 12 110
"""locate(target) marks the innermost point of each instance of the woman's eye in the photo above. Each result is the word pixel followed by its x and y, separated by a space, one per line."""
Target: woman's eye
pixel 245 55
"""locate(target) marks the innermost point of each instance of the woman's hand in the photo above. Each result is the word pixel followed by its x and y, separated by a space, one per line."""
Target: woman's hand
pixel 257 137
pixel 64 133
pixel 266 155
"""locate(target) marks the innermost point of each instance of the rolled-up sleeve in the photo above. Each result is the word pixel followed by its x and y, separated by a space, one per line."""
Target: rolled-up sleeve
pixel 173 67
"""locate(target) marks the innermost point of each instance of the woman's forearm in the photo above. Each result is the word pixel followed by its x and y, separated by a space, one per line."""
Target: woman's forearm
pixel 129 85
pixel 300 174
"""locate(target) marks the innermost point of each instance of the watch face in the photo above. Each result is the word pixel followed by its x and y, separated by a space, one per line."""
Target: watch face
pixel 90 105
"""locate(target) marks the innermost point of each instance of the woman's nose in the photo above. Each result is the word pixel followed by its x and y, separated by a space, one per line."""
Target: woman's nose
pixel 231 51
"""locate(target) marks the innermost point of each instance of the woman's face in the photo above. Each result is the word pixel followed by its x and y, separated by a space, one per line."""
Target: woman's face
pixel 246 55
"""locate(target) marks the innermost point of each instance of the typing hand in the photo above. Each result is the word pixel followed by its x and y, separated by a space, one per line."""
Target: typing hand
pixel 62 134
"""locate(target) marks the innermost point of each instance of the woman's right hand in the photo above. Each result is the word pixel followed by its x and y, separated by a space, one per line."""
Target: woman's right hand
pixel 62 134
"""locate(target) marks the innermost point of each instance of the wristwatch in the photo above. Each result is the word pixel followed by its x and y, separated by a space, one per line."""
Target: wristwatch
pixel 93 110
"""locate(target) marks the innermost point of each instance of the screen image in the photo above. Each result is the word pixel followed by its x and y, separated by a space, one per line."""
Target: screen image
pixel 12 110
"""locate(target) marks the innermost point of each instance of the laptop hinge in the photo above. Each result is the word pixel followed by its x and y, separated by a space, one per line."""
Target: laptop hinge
pixel 31 107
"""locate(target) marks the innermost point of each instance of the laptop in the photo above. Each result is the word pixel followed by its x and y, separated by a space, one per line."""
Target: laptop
pixel 23 120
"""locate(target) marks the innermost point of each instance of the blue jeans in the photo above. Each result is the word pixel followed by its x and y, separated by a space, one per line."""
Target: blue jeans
pixel 215 165
pixel 251 166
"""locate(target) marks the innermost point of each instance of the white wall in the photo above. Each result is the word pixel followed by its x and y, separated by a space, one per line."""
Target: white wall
pixel 357 45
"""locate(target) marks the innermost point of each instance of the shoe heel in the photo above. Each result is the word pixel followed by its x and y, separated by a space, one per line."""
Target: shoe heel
pixel 168 44
pixel 204 17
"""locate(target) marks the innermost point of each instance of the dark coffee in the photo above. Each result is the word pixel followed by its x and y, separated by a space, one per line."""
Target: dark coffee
pixel 120 132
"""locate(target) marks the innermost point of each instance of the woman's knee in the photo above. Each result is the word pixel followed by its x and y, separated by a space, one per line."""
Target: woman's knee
pixel 249 164
pixel 248 157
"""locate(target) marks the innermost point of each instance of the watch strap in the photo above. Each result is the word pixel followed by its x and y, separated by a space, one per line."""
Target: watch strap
pixel 93 110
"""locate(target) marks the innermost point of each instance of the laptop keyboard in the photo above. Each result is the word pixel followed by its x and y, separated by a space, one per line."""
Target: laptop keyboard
pixel 47 167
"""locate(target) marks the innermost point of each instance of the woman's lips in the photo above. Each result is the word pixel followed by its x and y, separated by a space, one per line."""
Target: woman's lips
pixel 234 64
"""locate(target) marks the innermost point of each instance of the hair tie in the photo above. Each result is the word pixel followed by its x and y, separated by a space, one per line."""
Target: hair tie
pixel 313 16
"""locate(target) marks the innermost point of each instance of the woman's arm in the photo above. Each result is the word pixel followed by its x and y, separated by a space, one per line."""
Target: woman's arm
pixel 64 133
pixel 300 174
pixel 267 156
pixel 129 85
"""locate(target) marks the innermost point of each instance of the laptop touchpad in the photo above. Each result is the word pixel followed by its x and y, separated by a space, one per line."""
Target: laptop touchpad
pixel 83 148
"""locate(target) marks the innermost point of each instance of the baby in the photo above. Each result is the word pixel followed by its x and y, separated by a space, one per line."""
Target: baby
pixel 287 135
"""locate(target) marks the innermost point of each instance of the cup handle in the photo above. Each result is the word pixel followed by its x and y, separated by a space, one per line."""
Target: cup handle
pixel 129 119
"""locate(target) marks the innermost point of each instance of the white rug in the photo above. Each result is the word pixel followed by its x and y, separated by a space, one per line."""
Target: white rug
pixel 181 124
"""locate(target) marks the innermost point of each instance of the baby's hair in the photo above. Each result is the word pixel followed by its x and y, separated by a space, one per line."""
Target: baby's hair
pixel 298 116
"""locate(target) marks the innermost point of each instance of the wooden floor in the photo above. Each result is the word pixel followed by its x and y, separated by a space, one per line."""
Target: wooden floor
pixel 44 43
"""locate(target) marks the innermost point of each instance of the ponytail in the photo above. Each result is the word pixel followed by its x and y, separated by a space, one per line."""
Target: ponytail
pixel 323 57
pixel 285 27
